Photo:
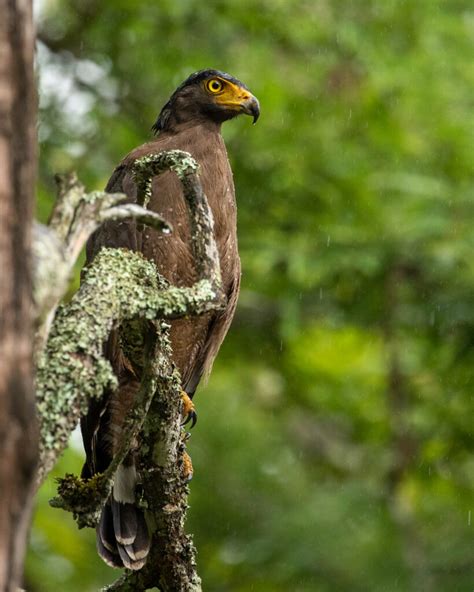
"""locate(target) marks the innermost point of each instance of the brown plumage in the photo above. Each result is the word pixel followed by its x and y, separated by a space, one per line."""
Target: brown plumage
pixel 190 121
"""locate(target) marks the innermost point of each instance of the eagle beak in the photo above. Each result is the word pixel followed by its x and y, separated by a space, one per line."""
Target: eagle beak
pixel 251 106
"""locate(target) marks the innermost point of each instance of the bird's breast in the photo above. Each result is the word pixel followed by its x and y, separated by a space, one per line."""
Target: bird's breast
pixel 172 253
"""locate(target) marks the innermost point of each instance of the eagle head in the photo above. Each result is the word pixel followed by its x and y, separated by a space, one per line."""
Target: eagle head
pixel 207 95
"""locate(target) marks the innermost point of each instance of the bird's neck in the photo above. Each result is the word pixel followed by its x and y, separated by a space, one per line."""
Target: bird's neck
pixel 203 140
pixel 201 124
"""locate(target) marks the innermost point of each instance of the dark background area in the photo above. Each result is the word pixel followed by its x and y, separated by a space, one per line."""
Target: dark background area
pixel 334 448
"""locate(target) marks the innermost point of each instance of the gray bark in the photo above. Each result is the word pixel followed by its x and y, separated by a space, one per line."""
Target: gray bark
pixel 18 433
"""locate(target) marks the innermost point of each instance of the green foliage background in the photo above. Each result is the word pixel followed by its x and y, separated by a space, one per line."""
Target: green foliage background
pixel 334 449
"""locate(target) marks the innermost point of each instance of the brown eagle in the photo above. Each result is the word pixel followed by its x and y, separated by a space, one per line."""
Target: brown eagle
pixel 191 120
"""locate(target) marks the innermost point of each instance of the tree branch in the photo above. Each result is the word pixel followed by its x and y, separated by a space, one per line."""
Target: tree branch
pixel 76 215
pixel 171 564
pixel 118 287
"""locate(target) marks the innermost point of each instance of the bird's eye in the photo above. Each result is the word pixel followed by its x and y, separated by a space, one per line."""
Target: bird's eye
pixel 214 86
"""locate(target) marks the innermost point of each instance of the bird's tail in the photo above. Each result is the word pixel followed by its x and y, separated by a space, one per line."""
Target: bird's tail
pixel 123 539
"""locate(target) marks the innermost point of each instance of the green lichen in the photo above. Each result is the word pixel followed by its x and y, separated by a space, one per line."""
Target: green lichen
pixel 120 285
pixel 83 498
pixel 171 564
pixel 146 167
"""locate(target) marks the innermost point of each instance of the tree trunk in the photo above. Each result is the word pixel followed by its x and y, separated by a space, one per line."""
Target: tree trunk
pixel 18 431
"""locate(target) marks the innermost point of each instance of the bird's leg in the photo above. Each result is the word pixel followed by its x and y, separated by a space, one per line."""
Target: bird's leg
pixel 185 461
pixel 187 467
pixel 189 414
pixel 188 410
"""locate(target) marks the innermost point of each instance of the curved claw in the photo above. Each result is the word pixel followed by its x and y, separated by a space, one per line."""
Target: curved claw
pixel 191 417
pixel 188 410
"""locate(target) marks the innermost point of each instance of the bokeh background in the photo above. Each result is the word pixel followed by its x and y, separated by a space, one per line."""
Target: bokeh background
pixel 334 448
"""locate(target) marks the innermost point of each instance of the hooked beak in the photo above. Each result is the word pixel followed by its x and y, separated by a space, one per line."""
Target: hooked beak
pixel 251 106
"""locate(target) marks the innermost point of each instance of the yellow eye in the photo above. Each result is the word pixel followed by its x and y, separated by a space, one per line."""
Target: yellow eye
pixel 214 86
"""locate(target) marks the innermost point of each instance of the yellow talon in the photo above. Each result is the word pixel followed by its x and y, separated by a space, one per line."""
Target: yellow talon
pixel 188 410
pixel 187 467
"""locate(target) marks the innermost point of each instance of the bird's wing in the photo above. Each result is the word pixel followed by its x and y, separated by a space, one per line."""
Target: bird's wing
pixel 217 329
pixel 114 234
pixel 110 234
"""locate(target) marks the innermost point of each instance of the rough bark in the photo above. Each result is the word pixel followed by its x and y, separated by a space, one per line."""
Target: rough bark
pixel 18 434
pixel 171 564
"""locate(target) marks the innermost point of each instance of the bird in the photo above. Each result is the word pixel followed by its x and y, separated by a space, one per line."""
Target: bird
pixel 191 121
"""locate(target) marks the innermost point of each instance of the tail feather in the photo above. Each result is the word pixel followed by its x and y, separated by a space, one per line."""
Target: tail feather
pixel 105 529
pixel 140 547
pixel 123 539
pixel 106 543
pixel 112 559
pixel 127 561
pixel 125 522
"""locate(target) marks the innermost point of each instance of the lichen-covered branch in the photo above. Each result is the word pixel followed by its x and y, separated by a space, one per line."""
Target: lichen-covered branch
pixel 119 286
pixel 202 223
pixel 171 564
pixel 76 214
pixel 86 498
pixel 56 247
